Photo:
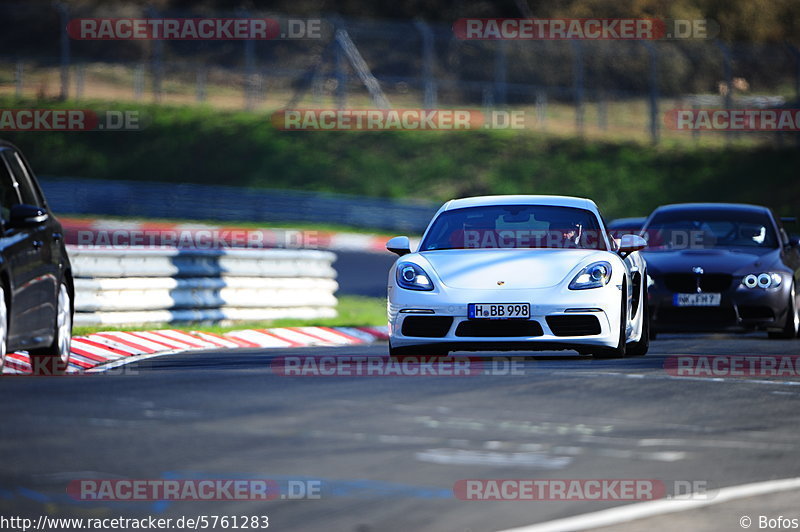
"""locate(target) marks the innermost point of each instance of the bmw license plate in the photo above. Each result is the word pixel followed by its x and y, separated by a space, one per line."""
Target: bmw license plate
pixel 498 311
pixel 697 300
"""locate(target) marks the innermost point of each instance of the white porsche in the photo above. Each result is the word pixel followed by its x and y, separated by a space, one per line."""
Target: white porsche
pixel 518 273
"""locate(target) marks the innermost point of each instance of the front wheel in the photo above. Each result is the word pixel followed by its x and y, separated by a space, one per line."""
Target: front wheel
pixel 621 348
pixel 792 326
pixel 640 348
pixel 54 359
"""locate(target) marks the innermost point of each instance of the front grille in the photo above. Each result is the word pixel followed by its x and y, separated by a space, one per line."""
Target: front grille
pixel 697 316
pixel 498 328
pixel 755 312
pixel 686 283
pixel 427 326
pixel 580 325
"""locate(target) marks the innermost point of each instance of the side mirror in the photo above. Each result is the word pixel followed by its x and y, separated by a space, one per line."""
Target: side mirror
pixel 399 245
pixel 23 215
pixel 630 243
pixel 794 241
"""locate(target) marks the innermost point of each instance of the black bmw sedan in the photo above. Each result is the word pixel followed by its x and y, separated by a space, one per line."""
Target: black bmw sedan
pixel 36 290
pixel 721 267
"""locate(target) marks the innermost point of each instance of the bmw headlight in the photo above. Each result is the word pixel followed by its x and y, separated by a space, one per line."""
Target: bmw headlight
pixel 412 277
pixel 595 275
pixel 762 280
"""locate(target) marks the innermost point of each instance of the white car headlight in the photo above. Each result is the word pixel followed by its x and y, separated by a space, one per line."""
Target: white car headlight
pixel 762 280
pixel 595 275
pixel 412 277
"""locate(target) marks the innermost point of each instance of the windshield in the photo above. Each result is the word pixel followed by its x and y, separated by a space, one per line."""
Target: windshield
pixel 515 226
pixel 709 230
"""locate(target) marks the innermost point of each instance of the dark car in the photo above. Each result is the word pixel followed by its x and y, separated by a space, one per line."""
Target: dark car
pixel 721 267
pixel 36 290
pixel 625 226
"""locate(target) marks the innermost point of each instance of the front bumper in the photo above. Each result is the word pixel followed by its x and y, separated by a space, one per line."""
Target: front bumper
pixel 560 319
pixel 741 309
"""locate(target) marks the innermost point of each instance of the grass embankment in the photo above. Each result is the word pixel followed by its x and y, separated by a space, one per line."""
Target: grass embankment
pixel 353 311
pixel 205 145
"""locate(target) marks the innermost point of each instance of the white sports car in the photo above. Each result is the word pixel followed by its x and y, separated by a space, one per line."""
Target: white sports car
pixel 518 273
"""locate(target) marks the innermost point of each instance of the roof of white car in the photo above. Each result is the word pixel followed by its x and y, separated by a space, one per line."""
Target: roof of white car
pixel 521 199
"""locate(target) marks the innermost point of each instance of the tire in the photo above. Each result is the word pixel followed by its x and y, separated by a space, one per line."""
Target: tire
pixel 638 349
pixel 620 350
pixel 792 325
pixel 3 328
pixel 54 359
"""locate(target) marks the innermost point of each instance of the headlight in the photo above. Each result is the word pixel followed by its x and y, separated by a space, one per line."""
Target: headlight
pixel 595 275
pixel 762 280
pixel 412 277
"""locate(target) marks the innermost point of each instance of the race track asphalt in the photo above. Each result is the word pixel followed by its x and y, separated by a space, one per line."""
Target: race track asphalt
pixel 387 451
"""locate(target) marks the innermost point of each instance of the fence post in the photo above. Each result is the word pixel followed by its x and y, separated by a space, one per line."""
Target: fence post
pixel 501 72
pixel 541 108
pixel 653 92
pixel 728 73
pixel 428 81
pixel 157 59
pixel 63 12
pixel 488 98
pixel 341 75
pixel 80 76
pixel 796 53
pixel 602 110
pixel 138 82
pixel 578 84
pixel 249 68
pixel 19 79
pixel 200 83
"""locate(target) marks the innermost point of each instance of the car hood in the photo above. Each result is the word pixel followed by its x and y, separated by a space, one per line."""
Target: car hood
pixel 711 260
pixel 515 268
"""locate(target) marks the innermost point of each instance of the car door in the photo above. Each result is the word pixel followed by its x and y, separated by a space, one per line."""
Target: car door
pixel 46 241
pixel 22 266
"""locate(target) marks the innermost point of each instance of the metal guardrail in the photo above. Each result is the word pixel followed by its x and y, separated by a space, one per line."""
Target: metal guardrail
pixel 166 285
pixel 145 199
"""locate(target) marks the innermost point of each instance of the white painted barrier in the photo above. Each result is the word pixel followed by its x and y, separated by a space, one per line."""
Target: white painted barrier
pixel 164 285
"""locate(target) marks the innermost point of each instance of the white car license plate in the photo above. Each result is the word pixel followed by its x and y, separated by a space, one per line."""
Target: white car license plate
pixel 498 311
pixel 697 300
